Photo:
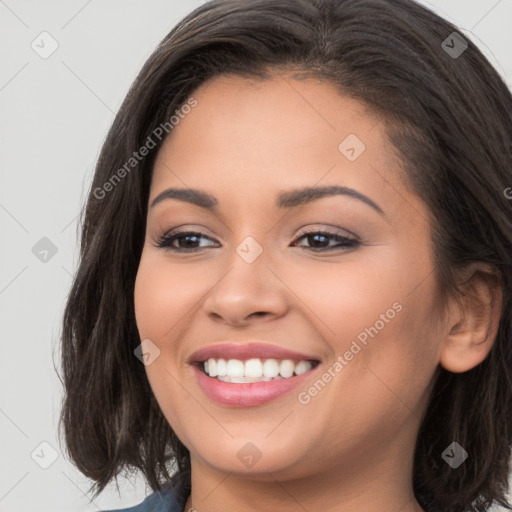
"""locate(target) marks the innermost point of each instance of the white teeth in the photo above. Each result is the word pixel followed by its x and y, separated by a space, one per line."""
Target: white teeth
pixel 212 367
pixel 221 367
pixel 287 368
pixel 234 368
pixel 254 370
pixel 270 368
pixel 243 380
pixel 302 367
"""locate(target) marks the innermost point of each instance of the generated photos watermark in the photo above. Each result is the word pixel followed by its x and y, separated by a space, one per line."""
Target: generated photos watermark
pixel 304 397
pixel 158 133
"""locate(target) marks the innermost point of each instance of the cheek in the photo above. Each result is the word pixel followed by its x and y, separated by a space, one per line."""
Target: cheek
pixel 345 297
pixel 164 298
pixel 399 352
pixel 378 312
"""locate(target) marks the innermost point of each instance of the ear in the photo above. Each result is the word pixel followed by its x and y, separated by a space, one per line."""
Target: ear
pixel 473 321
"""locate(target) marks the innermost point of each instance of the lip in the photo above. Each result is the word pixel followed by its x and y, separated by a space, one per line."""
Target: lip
pixel 248 394
pixel 248 351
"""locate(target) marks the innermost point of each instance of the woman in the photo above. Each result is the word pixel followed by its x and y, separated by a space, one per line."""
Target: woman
pixel 295 282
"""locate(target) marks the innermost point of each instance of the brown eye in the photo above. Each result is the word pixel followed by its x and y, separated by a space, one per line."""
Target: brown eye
pixel 319 241
pixel 184 241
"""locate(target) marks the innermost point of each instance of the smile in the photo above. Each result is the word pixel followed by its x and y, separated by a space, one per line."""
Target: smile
pixel 248 374
pixel 237 371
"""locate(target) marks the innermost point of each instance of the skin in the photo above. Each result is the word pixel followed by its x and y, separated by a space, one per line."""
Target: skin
pixel 351 447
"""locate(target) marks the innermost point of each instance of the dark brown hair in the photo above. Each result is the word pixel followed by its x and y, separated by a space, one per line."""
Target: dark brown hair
pixel 449 119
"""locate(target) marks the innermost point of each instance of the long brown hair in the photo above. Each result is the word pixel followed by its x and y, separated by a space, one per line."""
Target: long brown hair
pixel 449 119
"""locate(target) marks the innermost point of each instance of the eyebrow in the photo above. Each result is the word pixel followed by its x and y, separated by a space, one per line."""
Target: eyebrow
pixel 288 199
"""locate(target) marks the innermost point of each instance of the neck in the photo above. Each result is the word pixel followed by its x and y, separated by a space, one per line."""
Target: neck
pixel 383 485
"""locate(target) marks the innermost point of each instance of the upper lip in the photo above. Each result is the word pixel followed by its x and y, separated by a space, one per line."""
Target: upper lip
pixel 247 351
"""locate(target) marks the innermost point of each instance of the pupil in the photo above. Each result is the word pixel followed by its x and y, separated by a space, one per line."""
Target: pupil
pixel 316 238
pixel 188 237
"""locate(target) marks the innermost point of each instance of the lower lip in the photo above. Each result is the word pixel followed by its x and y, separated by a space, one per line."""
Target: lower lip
pixel 247 394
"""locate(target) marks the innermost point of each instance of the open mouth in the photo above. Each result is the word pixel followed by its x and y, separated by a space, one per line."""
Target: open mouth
pixel 238 371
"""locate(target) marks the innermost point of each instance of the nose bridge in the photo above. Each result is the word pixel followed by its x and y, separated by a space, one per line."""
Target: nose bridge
pixel 247 285
pixel 250 236
pixel 250 250
pixel 247 267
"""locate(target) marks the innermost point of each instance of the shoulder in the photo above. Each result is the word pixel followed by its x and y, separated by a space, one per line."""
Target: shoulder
pixel 166 500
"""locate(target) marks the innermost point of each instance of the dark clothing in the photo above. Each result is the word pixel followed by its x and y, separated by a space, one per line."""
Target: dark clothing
pixel 172 498
pixel 169 499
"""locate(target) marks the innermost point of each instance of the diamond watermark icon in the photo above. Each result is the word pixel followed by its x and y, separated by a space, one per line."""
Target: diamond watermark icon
pixel 249 454
pixel 454 45
pixel 249 249
pixel 147 352
pixel 44 45
pixel 44 250
pixel 44 455
pixel 352 147
pixel 454 455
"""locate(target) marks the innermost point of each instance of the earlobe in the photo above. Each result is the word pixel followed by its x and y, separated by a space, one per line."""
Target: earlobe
pixel 472 327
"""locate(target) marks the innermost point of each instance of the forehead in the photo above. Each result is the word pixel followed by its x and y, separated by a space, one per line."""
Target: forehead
pixel 254 137
pixel 281 114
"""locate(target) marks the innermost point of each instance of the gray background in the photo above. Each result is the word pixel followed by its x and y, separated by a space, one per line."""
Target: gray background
pixel 55 115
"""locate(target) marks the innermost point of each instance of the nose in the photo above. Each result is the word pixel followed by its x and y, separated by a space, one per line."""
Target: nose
pixel 246 293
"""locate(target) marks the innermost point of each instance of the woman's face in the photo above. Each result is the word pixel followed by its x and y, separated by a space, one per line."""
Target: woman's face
pixel 255 286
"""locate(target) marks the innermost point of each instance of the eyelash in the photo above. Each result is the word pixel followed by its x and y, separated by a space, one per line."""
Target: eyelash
pixel 344 242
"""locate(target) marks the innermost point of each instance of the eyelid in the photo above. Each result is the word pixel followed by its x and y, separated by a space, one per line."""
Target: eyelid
pixel 175 232
pixel 343 242
pixel 188 228
pixel 329 230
